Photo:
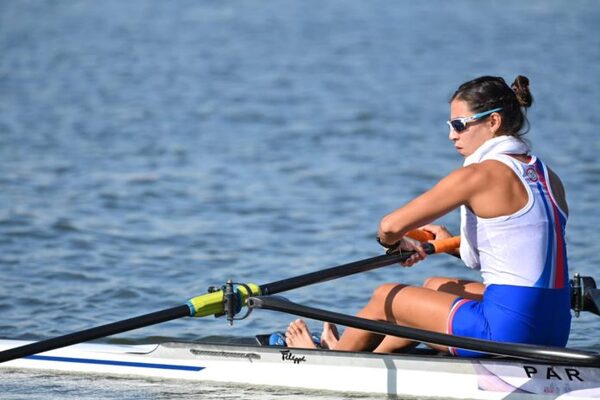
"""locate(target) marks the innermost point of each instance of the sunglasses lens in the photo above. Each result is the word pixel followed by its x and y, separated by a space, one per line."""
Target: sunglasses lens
pixel 457 125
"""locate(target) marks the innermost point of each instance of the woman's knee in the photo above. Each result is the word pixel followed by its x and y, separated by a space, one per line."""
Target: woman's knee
pixel 382 292
pixel 383 295
pixel 435 282
pixel 459 287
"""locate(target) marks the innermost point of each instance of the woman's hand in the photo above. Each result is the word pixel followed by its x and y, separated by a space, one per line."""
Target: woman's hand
pixel 408 244
pixel 438 231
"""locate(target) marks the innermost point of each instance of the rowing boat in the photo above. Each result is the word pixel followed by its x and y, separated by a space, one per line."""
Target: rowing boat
pixel 510 371
pixel 420 373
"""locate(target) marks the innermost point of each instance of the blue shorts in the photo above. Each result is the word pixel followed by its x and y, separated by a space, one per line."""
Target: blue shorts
pixel 513 314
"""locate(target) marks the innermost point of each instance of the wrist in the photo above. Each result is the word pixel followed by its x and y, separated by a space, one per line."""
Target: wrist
pixel 385 244
pixel 389 248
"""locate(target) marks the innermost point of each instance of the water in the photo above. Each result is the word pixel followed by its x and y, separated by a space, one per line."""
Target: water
pixel 151 149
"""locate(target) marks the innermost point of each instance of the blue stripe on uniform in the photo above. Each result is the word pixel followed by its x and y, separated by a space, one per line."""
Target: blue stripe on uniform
pixel 119 363
pixel 545 279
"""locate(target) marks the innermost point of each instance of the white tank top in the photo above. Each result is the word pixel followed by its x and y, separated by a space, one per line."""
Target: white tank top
pixel 526 248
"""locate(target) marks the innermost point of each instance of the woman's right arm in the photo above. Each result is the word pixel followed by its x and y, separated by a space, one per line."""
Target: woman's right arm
pixel 458 188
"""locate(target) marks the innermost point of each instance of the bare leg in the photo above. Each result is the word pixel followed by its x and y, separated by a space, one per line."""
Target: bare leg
pixel 403 305
pixel 462 288
pixel 425 308
pixel 391 344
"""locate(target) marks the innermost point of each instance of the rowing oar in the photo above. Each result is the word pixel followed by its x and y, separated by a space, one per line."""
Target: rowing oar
pixel 227 300
pixel 529 352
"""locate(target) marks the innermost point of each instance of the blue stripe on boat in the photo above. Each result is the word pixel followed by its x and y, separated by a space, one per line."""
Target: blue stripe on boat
pixel 119 363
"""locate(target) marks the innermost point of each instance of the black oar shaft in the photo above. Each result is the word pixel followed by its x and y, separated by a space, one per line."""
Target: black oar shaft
pixel 332 273
pixel 438 246
pixel 214 305
pixel 96 333
pixel 184 310
pixel 529 352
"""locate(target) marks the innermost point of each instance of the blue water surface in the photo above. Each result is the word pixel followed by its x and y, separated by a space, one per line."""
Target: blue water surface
pixel 149 149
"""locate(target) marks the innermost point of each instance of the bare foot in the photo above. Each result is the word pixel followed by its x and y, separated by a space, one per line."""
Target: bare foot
pixel 330 336
pixel 298 335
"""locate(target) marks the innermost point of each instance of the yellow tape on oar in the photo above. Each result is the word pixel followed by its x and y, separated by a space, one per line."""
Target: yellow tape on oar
pixel 212 303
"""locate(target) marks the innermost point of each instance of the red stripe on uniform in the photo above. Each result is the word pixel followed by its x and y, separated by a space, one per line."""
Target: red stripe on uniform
pixel 453 310
pixel 559 262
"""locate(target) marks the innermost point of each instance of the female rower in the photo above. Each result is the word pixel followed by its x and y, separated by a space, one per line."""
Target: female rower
pixel 513 216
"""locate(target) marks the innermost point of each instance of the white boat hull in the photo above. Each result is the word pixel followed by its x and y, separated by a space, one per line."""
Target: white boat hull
pixel 402 375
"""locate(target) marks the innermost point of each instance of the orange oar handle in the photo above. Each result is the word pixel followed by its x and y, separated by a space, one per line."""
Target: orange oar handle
pixel 442 245
pixel 434 246
pixel 420 235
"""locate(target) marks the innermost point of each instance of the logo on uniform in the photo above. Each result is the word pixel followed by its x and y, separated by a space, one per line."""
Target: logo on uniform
pixel 531 174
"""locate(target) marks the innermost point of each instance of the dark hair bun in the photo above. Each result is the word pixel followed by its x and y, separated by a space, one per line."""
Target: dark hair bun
pixel 521 88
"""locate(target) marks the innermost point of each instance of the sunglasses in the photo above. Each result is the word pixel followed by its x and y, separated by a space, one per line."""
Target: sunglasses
pixel 460 124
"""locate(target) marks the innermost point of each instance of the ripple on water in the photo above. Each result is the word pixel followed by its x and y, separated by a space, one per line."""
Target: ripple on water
pixel 263 142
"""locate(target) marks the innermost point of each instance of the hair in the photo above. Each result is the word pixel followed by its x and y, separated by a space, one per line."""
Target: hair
pixel 488 92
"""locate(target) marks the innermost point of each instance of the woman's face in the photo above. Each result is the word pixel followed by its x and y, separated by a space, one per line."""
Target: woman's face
pixel 476 133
